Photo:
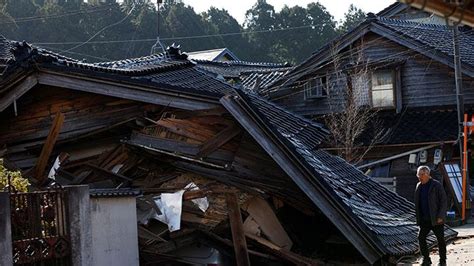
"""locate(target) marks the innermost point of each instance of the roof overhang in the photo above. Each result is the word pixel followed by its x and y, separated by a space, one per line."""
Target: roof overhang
pixel 413 45
pixel 160 95
pixel 456 13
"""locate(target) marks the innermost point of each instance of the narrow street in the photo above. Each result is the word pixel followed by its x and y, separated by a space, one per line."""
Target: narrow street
pixel 460 252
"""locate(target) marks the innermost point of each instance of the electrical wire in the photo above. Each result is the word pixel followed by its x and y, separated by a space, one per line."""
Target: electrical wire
pixel 66 14
pixel 103 29
pixel 176 38
pixel 76 53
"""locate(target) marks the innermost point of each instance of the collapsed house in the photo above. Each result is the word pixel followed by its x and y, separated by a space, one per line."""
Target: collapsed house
pixel 211 151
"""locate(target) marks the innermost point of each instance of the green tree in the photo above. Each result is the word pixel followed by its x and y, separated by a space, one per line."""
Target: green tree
pixel 260 18
pixel 221 22
pixel 352 18
pixel 309 29
pixel 182 21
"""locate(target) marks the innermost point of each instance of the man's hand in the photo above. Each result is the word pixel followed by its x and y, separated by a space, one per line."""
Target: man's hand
pixel 439 221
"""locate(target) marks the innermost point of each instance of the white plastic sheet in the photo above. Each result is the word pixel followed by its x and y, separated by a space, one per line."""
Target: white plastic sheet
pixel 202 203
pixel 52 172
pixel 171 206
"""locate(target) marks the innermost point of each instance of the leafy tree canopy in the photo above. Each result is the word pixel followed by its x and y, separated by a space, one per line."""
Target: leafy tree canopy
pixel 291 34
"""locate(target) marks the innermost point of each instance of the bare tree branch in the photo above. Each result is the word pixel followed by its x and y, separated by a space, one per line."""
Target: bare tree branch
pixel 351 114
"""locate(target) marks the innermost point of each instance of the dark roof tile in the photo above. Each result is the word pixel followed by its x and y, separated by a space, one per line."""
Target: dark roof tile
pixel 233 69
pixel 434 36
pixel 114 192
pixel 390 219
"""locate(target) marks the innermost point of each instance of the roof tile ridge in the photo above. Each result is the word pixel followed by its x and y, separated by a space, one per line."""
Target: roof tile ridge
pixel 418 24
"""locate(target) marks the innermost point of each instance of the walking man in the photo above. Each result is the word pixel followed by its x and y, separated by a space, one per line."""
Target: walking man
pixel 430 204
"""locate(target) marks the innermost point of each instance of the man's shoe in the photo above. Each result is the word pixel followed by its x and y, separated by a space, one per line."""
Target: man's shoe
pixel 426 262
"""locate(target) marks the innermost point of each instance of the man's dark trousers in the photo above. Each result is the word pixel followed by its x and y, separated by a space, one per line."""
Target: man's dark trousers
pixel 438 230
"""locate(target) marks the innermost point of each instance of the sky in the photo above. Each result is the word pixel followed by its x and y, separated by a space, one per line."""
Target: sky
pixel 337 8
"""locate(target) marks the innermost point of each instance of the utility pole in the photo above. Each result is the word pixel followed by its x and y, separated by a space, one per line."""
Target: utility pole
pixel 458 79
pixel 460 108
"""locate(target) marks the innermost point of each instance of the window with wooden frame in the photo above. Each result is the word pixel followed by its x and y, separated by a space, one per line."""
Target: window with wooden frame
pixel 315 88
pixel 383 89
pixel 453 178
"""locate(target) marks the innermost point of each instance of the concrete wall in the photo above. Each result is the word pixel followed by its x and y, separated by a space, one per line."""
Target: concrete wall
pixel 114 231
pixel 79 225
pixel 6 251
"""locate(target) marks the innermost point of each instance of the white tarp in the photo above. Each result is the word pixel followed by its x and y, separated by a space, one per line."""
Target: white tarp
pixel 52 172
pixel 202 203
pixel 171 205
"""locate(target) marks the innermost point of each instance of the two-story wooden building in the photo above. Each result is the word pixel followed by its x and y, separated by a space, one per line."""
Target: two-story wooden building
pixel 403 71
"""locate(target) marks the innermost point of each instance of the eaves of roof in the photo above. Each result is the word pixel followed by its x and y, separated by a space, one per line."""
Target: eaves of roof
pixel 430 51
pixel 126 80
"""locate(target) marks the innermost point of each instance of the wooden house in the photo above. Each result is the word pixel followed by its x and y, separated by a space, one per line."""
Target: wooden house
pixel 401 70
pixel 158 123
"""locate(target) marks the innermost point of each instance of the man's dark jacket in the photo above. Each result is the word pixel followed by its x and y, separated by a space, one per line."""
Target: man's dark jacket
pixel 436 200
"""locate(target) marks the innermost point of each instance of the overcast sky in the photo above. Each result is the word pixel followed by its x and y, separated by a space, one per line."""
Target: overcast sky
pixel 337 8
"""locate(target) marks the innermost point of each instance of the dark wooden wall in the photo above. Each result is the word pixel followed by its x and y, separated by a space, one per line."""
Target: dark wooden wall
pixel 424 82
pixel 406 174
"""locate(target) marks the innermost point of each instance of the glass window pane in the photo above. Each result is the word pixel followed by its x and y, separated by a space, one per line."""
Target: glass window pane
pixel 382 89
pixel 382 98
pixel 382 78
pixel 455 178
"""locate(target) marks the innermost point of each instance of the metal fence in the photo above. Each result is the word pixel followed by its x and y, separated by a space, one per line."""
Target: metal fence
pixel 40 227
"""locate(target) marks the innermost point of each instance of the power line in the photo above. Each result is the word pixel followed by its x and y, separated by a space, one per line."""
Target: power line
pixel 103 29
pixel 178 38
pixel 76 53
pixel 66 14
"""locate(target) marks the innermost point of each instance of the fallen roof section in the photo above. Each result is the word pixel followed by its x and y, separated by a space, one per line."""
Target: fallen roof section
pixel 378 222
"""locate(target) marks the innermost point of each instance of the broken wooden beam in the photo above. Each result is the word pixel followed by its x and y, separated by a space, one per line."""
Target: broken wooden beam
pixel 229 243
pixel 108 173
pixel 218 140
pixel 217 111
pixel 48 147
pixel 282 253
pixel 263 214
pixel 237 228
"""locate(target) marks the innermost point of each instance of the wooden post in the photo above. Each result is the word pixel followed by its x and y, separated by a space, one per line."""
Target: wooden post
pixel 48 147
pixel 237 227
pixel 464 171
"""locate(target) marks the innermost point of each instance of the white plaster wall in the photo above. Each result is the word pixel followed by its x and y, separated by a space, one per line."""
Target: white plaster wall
pixel 114 231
